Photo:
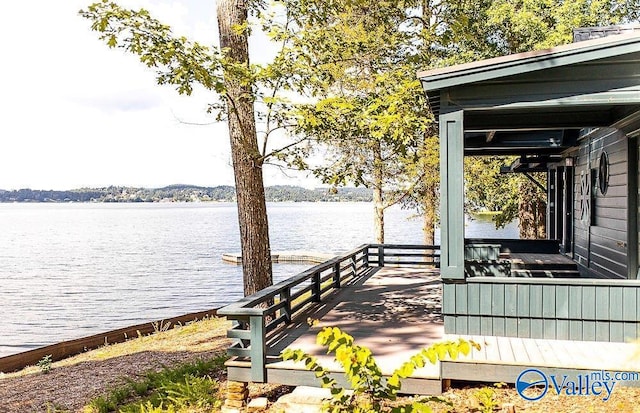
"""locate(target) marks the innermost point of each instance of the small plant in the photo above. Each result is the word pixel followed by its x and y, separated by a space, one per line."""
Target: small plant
pixel 45 364
pixel 193 392
pixel 148 407
pixel 487 399
pixel 55 408
pixel 161 326
pixel 183 388
pixel 369 386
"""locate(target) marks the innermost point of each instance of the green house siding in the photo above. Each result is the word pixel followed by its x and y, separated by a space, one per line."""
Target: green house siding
pixel 541 106
pixel 601 234
pixel 576 309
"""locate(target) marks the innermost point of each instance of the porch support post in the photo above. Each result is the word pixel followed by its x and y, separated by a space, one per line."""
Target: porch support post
pixel 452 194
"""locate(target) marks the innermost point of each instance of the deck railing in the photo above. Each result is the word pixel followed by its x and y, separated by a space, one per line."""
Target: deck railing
pixel 258 318
pixel 397 254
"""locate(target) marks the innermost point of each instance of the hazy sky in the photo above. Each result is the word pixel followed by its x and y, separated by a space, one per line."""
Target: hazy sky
pixel 75 113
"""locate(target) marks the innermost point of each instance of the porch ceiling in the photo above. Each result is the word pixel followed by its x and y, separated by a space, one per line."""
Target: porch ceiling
pixel 535 102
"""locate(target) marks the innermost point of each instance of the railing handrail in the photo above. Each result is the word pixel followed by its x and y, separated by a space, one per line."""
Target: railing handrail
pixel 246 305
pixel 405 246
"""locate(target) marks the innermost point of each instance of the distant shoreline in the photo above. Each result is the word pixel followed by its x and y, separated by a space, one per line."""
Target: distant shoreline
pixel 182 193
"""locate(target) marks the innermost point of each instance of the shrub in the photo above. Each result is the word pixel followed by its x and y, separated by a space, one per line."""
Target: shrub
pixel 364 375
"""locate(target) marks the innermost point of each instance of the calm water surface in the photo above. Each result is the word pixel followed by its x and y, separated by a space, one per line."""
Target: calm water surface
pixel 72 270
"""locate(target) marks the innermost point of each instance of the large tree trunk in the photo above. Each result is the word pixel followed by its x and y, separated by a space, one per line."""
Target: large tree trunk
pixel 247 160
pixel 378 196
pixel 429 220
pixel 532 212
pixel 429 223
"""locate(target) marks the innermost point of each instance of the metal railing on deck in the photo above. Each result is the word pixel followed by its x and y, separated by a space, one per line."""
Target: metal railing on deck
pixel 257 317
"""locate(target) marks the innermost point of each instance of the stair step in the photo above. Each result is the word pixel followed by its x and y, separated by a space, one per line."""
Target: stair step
pixel 544 266
pixel 546 273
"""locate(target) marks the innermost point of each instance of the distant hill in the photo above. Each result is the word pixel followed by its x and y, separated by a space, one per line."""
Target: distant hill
pixel 185 193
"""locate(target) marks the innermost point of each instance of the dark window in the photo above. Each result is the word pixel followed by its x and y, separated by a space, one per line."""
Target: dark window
pixel 603 173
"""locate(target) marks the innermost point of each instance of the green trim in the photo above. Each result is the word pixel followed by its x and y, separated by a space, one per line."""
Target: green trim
pixel 452 195
pixel 529 62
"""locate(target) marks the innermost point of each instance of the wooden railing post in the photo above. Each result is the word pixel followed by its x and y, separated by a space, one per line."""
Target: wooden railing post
pixel 258 349
pixel 336 275
pixel 285 296
pixel 365 257
pixel 380 255
pixel 315 287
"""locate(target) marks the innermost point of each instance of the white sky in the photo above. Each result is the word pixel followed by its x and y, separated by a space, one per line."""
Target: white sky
pixel 75 113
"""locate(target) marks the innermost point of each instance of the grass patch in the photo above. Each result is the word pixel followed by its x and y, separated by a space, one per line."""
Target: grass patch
pixel 189 387
pixel 194 337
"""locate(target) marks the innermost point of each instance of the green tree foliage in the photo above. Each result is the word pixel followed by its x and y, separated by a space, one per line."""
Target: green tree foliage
pixel 185 193
pixel 366 109
pixel 486 188
pixel 523 25
pixel 512 195
pixel 513 26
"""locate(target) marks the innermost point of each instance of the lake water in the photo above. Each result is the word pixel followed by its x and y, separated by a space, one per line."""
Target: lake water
pixel 73 270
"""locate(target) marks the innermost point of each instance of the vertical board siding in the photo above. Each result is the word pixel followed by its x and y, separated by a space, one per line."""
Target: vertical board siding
pixel 511 327
pixel 630 331
pixel 575 330
pixel 575 302
pixel 589 330
pixel 498 326
pixel 473 300
pixel 524 327
pixel 615 303
pixel 629 304
pixel 485 299
pixel 548 301
pixel 535 300
pixel 510 300
pixel 461 299
pixel 562 302
pixel 589 302
pixel 473 326
pixel 548 328
pixel 539 309
pixel 486 326
pixel 602 303
pixel 497 299
pixel 616 331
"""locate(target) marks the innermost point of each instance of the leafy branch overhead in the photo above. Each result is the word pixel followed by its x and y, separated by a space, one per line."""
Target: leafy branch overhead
pixel 180 62
pixel 189 65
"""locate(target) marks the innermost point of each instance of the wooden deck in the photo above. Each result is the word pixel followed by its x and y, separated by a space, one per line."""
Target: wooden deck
pixel 540 259
pixel 501 359
pixel 397 311
pixel 541 265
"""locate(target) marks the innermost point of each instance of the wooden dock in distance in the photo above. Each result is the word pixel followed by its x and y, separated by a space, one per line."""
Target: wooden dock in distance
pixel 312 257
